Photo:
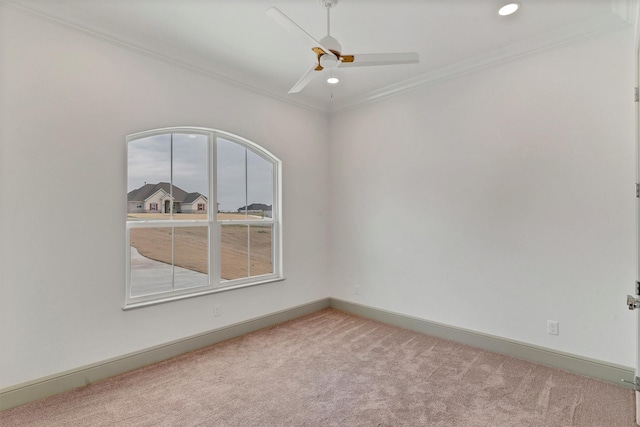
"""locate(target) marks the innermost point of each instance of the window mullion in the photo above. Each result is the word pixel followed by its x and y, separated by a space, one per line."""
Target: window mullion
pixel 173 259
pixel 246 185
pixel 171 178
pixel 246 209
pixel 214 227
pixel 248 250
pixel 173 234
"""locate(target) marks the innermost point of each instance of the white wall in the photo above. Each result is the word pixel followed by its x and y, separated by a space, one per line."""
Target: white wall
pixel 69 100
pixel 497 200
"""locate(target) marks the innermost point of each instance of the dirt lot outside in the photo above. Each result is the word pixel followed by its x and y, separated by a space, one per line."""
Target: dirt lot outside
pixel 191 249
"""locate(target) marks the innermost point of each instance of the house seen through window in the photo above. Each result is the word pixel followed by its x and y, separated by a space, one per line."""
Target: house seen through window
pixel 202 214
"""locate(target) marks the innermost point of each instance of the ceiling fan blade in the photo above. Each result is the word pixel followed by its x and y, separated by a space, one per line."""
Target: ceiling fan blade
pixel 368 59
pixel 291 26
pixel 304 80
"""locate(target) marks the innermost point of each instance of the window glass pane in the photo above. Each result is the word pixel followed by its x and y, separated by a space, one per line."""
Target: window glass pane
pixel 151 264
pixel 231 180
pixel 234 251
pixel 259 186
pixel 190 177
pixel 149 174
pixel 191 256
pixel 261 249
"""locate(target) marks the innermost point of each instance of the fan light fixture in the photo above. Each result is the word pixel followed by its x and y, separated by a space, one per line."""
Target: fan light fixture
pixel 508 9
pixel 327 51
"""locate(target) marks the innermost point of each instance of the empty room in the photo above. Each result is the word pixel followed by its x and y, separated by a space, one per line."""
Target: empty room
pixel 319 212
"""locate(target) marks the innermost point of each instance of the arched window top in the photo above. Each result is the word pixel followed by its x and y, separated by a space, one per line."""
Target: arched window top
pixel 194 130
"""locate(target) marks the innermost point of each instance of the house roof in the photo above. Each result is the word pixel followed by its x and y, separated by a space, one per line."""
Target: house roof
pixel 255 207
pixel 179 195
pixel 192 197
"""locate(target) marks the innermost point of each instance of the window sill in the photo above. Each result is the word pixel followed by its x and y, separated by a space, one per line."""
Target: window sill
pixel 135 305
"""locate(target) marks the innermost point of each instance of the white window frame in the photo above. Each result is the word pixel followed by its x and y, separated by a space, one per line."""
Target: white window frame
pixel 216 283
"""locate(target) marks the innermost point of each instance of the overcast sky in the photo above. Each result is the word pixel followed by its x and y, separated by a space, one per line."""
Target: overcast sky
pixel 150 162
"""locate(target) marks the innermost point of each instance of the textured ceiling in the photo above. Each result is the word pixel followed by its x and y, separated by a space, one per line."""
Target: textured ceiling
pixel 235 39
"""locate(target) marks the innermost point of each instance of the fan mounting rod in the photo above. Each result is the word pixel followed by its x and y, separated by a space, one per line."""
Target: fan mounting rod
pixel 328 4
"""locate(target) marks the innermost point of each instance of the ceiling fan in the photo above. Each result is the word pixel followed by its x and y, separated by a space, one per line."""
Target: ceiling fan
pixel 329 52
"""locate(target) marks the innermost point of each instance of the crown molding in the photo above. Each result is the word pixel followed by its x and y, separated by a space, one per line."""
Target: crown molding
pixel 624 14
pixel 621 17
pixel 168 54
pixel 627 10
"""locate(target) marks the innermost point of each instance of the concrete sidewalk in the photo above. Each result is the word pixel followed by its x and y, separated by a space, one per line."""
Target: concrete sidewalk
pixel 149 276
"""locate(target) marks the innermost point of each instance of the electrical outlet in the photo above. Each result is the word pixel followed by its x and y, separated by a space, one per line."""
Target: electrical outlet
pixel 216 310
pixel 553 327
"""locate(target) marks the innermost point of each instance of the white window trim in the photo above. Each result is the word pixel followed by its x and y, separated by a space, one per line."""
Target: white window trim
pixel 216 284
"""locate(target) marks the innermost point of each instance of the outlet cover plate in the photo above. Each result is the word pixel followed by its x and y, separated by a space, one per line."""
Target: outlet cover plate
pixel 553 327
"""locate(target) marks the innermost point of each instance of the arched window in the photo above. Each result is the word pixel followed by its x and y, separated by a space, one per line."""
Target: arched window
pixel 203 214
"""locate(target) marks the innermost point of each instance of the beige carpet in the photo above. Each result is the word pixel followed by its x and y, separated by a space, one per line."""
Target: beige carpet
pixel 336 369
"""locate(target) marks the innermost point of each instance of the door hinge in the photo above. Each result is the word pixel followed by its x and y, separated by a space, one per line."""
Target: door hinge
pixel 637 94
pixel 636 383
pixel 637 190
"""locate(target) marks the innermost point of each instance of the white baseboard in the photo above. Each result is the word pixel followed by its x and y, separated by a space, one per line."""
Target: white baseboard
pixel 568 362
pixel 53 384
pixel 57 383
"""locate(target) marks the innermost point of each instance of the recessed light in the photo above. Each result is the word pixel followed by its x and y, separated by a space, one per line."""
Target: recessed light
pixel 508 9
pixel 332 80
